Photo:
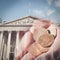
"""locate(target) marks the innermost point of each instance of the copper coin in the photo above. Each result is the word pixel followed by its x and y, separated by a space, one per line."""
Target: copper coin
pixel 36 49
pixel 40 31
pixel 46 40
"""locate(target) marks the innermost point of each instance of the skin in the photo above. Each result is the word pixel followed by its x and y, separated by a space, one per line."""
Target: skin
pixel 54 52
pixel 22 49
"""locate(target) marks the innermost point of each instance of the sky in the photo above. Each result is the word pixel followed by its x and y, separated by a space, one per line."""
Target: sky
pixel 15 9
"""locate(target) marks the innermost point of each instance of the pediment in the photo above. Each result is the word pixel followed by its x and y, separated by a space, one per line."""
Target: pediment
pixel 22 21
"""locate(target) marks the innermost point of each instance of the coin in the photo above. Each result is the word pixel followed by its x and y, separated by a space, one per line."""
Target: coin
pixel 39 32
pixel 36 49
pixel 46 40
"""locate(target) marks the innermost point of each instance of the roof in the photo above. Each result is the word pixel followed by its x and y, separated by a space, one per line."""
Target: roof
pixel 35 18
pixel 22 19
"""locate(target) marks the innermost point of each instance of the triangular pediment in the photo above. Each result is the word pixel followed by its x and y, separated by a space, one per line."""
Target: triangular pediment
pixel 23 21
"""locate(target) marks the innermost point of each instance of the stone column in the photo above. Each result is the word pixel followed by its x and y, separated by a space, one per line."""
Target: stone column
pixel 8 45
pixel 1 38
pixel 17 38
pixel 17 42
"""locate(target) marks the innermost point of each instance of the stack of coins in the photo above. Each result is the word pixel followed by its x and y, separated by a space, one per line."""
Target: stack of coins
pixel 43 41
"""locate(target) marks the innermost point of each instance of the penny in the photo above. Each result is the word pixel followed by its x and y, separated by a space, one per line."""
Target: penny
pixel 39 32
pixel 36 49
pixel 46 40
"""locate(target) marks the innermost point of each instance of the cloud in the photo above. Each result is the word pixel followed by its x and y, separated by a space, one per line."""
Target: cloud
pixel 38 13
pixel 50 11
pixel 57 3
pixel 49 2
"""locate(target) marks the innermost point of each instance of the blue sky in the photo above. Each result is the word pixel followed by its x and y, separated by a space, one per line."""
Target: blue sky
pixel 14 9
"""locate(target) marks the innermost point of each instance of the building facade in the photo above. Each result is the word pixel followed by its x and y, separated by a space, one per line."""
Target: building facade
pixel 11 34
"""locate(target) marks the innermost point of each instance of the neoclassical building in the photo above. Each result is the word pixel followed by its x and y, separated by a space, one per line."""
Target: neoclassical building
pixel 11 34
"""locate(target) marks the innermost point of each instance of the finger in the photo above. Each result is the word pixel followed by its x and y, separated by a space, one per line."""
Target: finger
pixel 32 29
pixel 42 57
pixel 58 31
pixel 24 44
pixel 27 56
pixel 42 23
pixel 45 56
pixel 53 29
pixel 56 44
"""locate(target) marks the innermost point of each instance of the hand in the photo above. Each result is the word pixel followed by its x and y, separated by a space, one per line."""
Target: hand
pixel 54 52
pixel 27 40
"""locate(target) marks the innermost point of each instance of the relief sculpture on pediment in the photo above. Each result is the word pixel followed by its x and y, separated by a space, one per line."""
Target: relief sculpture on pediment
pixel 27 21
pixel 24 22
